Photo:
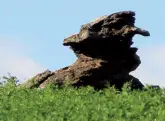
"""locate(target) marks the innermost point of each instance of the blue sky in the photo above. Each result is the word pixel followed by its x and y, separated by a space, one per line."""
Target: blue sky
pixel 32 31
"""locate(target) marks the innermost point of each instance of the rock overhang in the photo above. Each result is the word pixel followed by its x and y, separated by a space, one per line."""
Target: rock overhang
pixel 116 30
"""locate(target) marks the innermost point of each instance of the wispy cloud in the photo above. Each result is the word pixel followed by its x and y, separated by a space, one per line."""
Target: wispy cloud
pixel 152 68
pixel 14 60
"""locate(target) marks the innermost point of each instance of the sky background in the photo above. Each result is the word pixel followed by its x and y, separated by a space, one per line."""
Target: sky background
pixel 32 33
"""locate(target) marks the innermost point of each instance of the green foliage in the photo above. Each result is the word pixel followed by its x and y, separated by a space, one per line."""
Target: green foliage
pixel 85 104
pixel 8 81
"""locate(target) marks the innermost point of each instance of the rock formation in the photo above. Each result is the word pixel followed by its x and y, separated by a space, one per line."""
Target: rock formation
pixel 104 55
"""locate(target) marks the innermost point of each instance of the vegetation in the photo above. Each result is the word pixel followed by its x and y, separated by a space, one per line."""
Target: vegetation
pixel 85 104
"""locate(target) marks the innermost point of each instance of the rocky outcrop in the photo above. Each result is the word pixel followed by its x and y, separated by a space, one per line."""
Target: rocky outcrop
pixel 104 55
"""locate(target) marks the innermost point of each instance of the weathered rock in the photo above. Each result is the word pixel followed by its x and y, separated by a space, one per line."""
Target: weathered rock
pixel 104 52
pixel 38 79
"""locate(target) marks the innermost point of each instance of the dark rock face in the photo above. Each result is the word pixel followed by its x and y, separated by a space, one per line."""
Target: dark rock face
pixel 104 52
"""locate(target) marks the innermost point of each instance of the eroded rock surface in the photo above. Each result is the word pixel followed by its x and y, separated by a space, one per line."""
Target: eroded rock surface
pixel 104 52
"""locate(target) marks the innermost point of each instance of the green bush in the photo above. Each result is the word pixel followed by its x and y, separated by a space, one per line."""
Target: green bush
pixel 9 80
pixel 84 104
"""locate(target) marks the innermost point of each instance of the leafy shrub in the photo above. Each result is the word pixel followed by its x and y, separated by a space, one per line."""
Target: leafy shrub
pixel 9 80
pixel 84 104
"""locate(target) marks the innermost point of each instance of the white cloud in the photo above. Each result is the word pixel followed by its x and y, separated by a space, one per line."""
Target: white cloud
pixel 152 68
pixel 13 59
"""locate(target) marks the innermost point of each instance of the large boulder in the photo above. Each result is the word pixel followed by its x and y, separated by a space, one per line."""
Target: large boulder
pixel 104 52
